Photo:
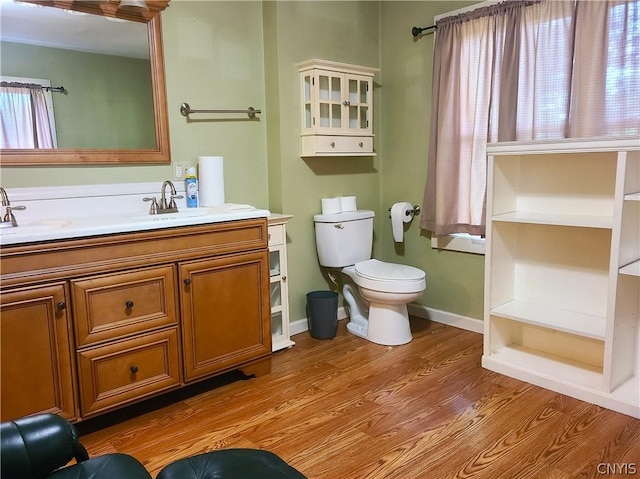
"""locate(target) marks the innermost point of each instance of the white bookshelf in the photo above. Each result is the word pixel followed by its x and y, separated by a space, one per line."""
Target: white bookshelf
pixel 562 275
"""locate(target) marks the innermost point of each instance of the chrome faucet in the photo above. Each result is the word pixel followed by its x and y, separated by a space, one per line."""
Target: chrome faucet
pixel 9 220
pixel 164 206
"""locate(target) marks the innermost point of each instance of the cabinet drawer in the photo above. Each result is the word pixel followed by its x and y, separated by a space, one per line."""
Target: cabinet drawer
pixel 113 306
pixel 276 235
pixel 126 371
pixel 337 145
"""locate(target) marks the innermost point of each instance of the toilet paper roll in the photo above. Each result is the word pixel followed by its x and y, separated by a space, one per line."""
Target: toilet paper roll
pixel 331 206
pixel 348 203
pixel 211 180
pixel 400 213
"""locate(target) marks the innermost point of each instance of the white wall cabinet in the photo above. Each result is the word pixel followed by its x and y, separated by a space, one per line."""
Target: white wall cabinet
pixel 337 108
pixel 562 274
pixel 278 286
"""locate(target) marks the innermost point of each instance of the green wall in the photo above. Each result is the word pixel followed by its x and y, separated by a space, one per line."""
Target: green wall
pixel 241 54
pixel 339 31
pixel 455 281
pixel 120 113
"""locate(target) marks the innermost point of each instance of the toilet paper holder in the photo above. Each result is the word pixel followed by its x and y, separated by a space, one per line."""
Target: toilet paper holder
pixel 413 212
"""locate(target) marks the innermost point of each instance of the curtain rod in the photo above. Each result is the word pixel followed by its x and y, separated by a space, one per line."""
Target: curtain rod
pixel 415 31
pixel 58 89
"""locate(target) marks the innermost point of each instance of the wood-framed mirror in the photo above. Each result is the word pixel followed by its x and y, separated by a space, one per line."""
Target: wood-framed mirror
pixel 156 149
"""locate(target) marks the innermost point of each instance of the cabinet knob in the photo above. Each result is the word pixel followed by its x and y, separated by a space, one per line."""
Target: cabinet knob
pixel 133 369
pixel 61 306
pixel 129 304
pixel 333 144
pixel 187 281
pixel 284 279
pixel 346 103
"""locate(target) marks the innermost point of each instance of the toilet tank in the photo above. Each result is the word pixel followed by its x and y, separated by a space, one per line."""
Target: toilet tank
pixel 343 239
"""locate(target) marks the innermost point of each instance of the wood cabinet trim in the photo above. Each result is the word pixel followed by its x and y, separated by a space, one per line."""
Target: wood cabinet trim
pixel 96 398
pixel 64 259
pixel 93 324
pixel 61 344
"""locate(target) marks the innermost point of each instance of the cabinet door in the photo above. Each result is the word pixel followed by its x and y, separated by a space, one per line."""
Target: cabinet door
pixel 37 368
pixel 122 372
pixel 225 312
pixel 358 104
pixel 329 89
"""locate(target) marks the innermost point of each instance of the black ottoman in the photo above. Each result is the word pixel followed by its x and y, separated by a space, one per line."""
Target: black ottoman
pixel 231 464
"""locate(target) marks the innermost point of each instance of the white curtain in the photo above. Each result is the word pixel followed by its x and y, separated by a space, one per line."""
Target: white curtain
pixel 524 70
pixel 24 117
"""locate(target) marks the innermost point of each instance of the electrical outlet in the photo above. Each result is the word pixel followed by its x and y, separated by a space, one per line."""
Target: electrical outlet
pixel 180 170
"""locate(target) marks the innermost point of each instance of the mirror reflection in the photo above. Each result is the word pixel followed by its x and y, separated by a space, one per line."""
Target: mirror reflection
pixel 83 85
pixel 107 99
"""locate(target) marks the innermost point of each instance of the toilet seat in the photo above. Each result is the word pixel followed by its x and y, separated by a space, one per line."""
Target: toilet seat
pixel 389 277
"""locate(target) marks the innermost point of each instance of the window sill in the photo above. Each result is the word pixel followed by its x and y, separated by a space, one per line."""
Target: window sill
pixel 459 242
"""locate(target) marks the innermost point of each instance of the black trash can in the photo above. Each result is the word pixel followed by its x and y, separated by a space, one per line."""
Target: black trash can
pixel 322 312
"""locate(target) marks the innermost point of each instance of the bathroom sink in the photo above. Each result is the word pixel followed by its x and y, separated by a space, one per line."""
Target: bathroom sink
pixel 52 229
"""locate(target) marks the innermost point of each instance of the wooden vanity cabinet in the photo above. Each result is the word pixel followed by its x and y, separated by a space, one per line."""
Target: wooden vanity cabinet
pixel 121 355
pixel 37 368
pixel 93 324
pixel 221 299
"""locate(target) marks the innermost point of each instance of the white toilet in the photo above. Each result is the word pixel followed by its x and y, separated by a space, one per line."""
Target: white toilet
pixel 378 298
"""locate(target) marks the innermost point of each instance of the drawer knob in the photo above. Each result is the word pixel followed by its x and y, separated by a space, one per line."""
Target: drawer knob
pixel 129 304
pixel 61 306
pixel 333 144
pixel 360 144
pixel 134 369
pixel 187 281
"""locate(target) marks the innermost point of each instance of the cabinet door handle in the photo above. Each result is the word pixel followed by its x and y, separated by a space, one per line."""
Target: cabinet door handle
pixel 187 281
pixel 133 369
pixel 61 306
pixel 284 279
pixel 129 304
pixel 346 103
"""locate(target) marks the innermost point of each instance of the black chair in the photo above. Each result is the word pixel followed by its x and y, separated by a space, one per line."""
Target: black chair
pixel 41 446
pixel 38 447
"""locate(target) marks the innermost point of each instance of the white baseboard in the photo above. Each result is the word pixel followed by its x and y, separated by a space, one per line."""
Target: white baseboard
pixel 444 317
pixel 302 325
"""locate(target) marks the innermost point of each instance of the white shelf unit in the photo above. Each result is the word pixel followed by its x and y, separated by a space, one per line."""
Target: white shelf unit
pixel 562 274
pixel 278 286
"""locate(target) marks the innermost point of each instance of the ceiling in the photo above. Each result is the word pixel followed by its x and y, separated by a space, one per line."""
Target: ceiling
pixel 54 27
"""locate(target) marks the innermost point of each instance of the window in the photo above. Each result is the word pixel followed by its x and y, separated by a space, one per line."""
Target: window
pixel 523 71
pixel 26 113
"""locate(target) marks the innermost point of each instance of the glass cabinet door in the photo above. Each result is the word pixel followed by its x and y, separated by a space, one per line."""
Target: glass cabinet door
pixel 358 102
pixel 329 89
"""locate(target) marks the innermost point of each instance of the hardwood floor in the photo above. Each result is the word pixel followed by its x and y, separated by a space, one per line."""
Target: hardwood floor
pixel 347 408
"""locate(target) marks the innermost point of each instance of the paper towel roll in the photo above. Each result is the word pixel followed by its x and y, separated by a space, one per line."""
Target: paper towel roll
pixel 211 180
pixel 348 203
pixel 400 213
pixel 331 206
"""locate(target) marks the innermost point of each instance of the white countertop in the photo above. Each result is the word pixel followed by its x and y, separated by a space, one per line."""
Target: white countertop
pixel 63 212
pixel 54 229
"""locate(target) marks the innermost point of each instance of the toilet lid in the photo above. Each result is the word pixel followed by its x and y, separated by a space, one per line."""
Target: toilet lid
pixel 381 271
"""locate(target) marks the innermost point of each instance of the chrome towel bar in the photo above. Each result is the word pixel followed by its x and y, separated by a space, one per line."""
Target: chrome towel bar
pixel 186 110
